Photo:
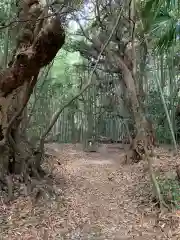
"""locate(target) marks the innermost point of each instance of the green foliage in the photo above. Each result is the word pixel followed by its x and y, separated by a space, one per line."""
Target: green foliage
pixel 170 189
pixel 68 73
pixel 53 89
pixel 161 19
pixel 157 113
pixel 163 134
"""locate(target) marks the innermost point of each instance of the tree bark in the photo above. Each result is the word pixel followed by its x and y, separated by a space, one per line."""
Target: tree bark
pixel 41 36
pixel 144 136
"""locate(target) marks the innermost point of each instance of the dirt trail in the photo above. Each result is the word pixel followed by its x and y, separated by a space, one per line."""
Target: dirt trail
pixel 109 200
pixel 99 199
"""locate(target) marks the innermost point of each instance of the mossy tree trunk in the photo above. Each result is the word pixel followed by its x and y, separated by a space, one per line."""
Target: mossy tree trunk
pixel 41 36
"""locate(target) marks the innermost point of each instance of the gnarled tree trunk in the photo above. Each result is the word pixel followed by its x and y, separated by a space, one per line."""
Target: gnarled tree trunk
pixel 145 136
pixel 41 36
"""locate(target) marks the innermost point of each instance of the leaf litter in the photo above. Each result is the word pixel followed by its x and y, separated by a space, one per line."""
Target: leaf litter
pixel 97 198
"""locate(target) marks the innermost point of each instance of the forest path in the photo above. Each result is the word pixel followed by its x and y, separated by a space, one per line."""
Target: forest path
pixel 107 199
pixel 99 199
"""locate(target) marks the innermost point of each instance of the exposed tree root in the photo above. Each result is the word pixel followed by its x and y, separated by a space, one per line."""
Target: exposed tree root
pixel 31 177
pixel 36 188
pixel 21 160
pixel 138 144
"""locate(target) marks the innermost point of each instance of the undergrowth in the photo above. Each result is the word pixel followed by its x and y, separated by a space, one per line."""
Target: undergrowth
pixel 170 189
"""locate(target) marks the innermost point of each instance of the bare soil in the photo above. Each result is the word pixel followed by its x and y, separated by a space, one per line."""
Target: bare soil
pixel 97 198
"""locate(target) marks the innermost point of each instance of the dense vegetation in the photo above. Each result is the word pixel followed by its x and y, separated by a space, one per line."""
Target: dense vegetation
pixel 116 76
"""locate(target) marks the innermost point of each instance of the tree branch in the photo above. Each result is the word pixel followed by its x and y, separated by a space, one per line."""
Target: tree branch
pixel 59 111
pixel 37 98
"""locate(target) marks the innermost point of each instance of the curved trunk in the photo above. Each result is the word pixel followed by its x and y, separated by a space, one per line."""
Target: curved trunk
pixel 144 138
pixel 145 135
pixel 40 38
